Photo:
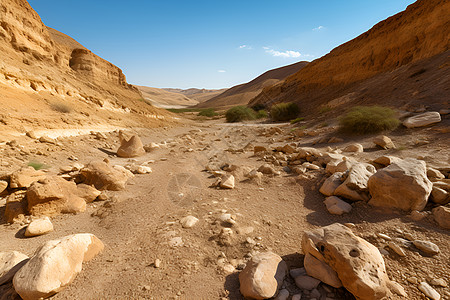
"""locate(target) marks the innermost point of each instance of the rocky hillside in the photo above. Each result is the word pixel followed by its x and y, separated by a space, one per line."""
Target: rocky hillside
pixel 394 63
pixel 241 94
pixel 200 95
pixel 165 99
pixel 45 74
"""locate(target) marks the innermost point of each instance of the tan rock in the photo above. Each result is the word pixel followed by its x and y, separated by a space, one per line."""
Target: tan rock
pixel 422 120
pixel 306 282
pixel 3 186
pixel 331 184
pixel 434 175
pixel 320 270
pixel 130 148
pixel 403 185
pixel 268 169
pixel 286 149
pixel 54 195
pixel 386 160
pixel 87 192
pixel 355 147
pixel 384 142
pixel 263 276
pixel 442 216
pixel 358 264
pixel 426 247
pixel 355 185
pixel 429 291
pixel 227 182
pixel 24 177
pixel 188 221
pixel 54 265
pixel 39 227
pixel 439 196
pixel 258 149
pixel 16 206
pixel 104 177
pixel 337 206
pixel 10 263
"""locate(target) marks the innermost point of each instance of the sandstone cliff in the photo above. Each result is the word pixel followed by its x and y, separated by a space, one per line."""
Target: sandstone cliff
pixel 412 46
pixel 44 73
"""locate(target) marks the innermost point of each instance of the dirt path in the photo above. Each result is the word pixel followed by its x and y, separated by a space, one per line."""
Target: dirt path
pixel 138 224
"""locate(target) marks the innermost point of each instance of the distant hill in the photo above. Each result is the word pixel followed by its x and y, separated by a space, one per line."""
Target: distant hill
pixel 201 95
pixel 164 98
pixel 402 61
pixel 243 93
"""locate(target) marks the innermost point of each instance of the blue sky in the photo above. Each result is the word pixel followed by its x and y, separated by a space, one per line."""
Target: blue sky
pixel 211 44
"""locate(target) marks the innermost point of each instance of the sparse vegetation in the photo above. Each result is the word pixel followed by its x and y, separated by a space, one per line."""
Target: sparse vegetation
pixel 325 109
pixel 60 107
pixel 261 114
pixel 240 113
pixel 183 110
pixel 368 119
pixel 296 120
pixel 208 112
pixel 38 165
pixel 284 111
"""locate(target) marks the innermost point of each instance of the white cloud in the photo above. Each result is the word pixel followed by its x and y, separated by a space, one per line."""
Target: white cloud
pixel 266 48
pixel 286 54
pixel 318 28
pixel 245 47
pixel 221 71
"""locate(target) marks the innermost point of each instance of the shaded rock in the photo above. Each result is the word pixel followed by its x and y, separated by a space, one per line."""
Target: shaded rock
pixel 268 169
pixel 188 221
pixel 39 227
pixel 320 270
pixel 263 276
pixel 429 291
pixel 358 264
pixel 16 206
pixel 442 216
pixel 3 186
pixel 355 147
pixel 87 192
pixel 426 247
pixel 421 120
pixel 54 265
pixel 306 282
pixel 286 149
pixel 150 147
pixel 282 295
pixel 258 149
pixel 396 248
pixel 355 184
pixel 337 206
pixel 10 263
pixel 104 177
pixel 331 184
pixel 54 195
pixel 130 148
pixel 24 177
pixel 402 185
pixel 310 166
pixel 227 182
pixel 386 160
pixel 439 196
pixel 434 175
pixel 384 142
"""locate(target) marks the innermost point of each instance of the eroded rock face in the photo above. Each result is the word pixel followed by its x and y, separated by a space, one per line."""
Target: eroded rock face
pixel 357 263
pixel 403 185
pixel 104 177
pixel 54 195
pixel 54 265
pixel 130 148
pixel 263 276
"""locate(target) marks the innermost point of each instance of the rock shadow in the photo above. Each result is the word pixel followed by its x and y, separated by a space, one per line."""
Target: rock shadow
pixel 232 286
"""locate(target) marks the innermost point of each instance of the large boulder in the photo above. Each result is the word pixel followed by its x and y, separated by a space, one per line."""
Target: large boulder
pixel 24 177
pixel 54 265
pixel 130 148
pixel 357 263
pixel 403 185
pixel 54 195
pixel 421 120
pixel 104 177
pixel 263 276
pixel 10 263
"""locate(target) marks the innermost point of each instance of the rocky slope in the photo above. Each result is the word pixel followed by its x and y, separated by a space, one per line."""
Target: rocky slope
pixel 46 77
pixel 241 94
pixel 201 95
pixel 165 99
pixel 394 63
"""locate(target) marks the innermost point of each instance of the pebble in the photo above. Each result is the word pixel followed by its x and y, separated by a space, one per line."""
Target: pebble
pixel 282 295
pixel 315 294
pixel 426 247
pixel 429 291
pixel 397 249
pixel 297 272
pixel 157 263
pixel 384 236
pixel 297 297
pixel 306 282
pixel 188 222
pixel 439 282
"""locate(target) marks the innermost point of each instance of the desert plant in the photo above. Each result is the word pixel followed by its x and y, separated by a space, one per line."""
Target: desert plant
pixel 261 114
pixel 60 107
pixel 325 109
pixel 284 111
pixel 38 165
pixel 368 119
pixel 296 120
pixel 239 113
pixel 208 112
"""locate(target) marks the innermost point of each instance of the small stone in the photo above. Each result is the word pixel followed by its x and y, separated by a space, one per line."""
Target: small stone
pixel 396 248
pixel 297 297
pixel 440 196
pixel 10 263
pixel 297 272
pixel 315 294
pixel 227 182
pixel 228 268
pixel 144 170
pixel 282 295
pixel 384 236
pixel 428 248
pixel 188 222
pixel 429 291
pixel 306 282
pixel 337 206
pixel 355 147
pixel 39 227
pixel 157 263
pixel 3 186
pixel 384 142
pixel 439 282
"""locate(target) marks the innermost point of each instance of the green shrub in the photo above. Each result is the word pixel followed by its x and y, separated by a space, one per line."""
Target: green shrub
pixel 208 112
pixel 296 120
pixel 258 107
pixel 284 111
pixel 325 109
pixel 38 165
pixel 368 119
pixel 239 113
pixel 261 114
